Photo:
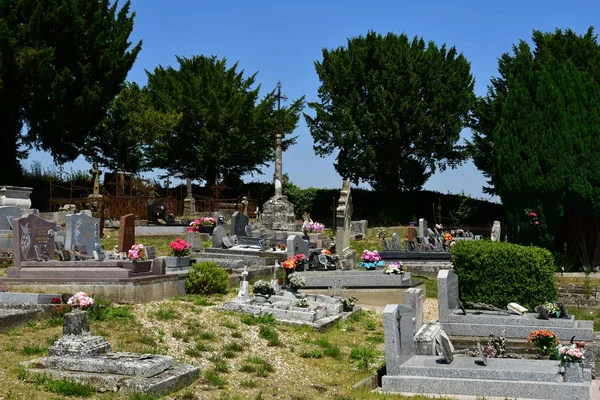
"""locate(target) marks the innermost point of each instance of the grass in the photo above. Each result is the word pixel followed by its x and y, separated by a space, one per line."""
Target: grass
pixel 586 313
pixel 257 366
pixel 269 334
pixel 33 350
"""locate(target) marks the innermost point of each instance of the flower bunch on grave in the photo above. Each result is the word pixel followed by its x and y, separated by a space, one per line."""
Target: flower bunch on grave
pixel 552 310
pixel 180 248
pixel 349 302
pixel 370 259
pixel 303 303
pixel 297 280
pixel 208 221
pixel 326 252
pixel 447 237
pixel 81 300
pixel 395 268
pixel 290 263
pixel 56 300
pixel 544 340
pixel 570 353
pixel 281 246
pixel 195 224
pixel 312 227
pixel 137 253
pixel 263 287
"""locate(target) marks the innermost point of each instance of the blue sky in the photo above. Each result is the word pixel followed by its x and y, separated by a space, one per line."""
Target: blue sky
pixel 282 40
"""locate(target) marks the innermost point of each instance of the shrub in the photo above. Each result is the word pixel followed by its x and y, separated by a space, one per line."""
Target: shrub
pixel 206 278
pixel 501 273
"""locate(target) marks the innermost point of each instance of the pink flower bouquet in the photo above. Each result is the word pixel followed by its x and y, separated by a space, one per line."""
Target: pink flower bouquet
pixel 81 300
pixel 180 248
pixel 137 253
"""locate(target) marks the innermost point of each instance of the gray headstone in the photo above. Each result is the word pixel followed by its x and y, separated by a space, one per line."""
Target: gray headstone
pixel 217 236
pixel 358 228
pixel 423 227
pixel 238 223
pixel 395 242
pixel 296 245
pixel 151 252
pixel 99 254
pixel 398 336
pixel 447 294
pixel 195 240
pixel 29 232
pixel 415 299
pixel 7 213
pixel 496 231
pixel 81 230
pixel 482 355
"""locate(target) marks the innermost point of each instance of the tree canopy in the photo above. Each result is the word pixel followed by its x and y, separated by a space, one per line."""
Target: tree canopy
pixel 537 136
pixel 393 109
pixel 224 128
pixel 124 138
pixel 61 64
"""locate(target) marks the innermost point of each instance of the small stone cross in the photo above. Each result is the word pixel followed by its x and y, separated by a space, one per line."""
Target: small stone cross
pixel 245 273
pixel 275 268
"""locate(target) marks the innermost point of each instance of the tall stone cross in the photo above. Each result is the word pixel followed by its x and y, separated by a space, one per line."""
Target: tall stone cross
pixel 96 172
pixel 278 178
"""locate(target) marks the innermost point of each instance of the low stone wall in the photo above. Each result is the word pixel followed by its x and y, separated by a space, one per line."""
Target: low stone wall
pixel 579 294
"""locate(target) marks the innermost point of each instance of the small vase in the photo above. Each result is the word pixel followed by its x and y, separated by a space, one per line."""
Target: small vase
pixel 293 289
pixel 573 372
pixel 288 271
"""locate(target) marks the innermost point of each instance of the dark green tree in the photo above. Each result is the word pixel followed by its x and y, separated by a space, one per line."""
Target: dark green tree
pixel 62 63
pixel 122 140
pixel 539 128
pixel 393 108
pixel 224 128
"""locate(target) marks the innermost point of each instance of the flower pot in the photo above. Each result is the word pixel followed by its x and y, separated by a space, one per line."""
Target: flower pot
pixel 288 271
pixel 206 229
pixel 348 308
pixel 141 266
pixel 300 266
pixel 261 299
pixel 573 372
pixel 177 262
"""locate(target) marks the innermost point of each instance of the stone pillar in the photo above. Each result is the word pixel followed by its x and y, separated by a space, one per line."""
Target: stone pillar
pixel 189 203
pixel 278 178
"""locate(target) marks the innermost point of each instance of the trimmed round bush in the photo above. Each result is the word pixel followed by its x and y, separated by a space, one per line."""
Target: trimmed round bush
pixel 500 273
pixel 205 278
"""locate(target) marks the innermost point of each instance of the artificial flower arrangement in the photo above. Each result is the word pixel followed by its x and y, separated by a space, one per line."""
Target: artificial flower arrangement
pixel 447 237
pixel 137 253
pixel 180 248
pixel 312 227
pixel 81 300
pixel 281 246
pixel 570 353
pixel 552 310
pixel 290 263
pixel 195 224
pixel 349 302
pixel 371 259
pixel 208 221
pixel 263 288
pixel 544 340
pixel 395 268
pixel 299 259
pixel 303 303
pixel 326 252
pixel 297 280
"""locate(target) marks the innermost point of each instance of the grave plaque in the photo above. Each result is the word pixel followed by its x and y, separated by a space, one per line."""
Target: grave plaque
pixel 482 355
pixel 81 230
pixel 29 232
pixel 446 347
pixel 151 252
pixel 396 242
pixel 99 254
pixel 226 242
pixel 296 245
pixel 239 222
pixel 127 232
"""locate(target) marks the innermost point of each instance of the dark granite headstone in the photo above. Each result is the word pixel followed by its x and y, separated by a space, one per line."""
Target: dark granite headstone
pixel 28 232
pixel 157 210
pixel 541 313
pixel 126 233
pixel 238 223
pixel 82 230
pixel 563 310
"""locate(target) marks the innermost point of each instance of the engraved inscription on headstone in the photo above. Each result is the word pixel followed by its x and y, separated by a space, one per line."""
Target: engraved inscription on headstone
pixel 126 232
pixel 81 230
pixel 27 233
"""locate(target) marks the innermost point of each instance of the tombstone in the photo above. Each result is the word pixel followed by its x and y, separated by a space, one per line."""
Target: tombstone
pixel 217 236
pixel 422 228
pixel 238 223
pixel 447 294
pixel 496 229
pixel 157 211
pixel 126 233
pixel 415 299
pixel 81 230
pixel 29 232
pixel 296 245
pixel 398 336
pixel 446 347
pixel 358 228
pixel 227 243
pixel 395 242
pixel 243 294
pixel 7 213
pixel 248 230
pixel 343 215
pixel 194 239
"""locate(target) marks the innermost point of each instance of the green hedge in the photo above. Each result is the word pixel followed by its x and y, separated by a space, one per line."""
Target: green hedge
pixel 500 273
pixel 206 278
